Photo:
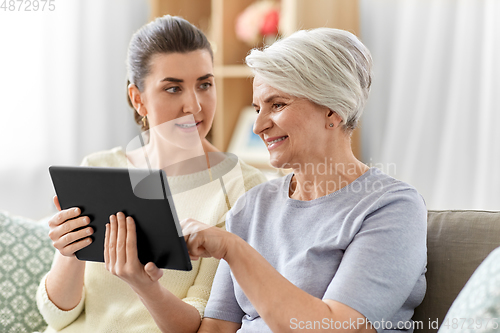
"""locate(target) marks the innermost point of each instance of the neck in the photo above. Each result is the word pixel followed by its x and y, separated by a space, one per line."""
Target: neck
pixel 177 160
pixel 325 173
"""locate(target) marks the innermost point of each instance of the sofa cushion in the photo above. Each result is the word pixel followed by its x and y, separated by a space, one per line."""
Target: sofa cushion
pixel 457 243
pixel 477 307
pixel 26 254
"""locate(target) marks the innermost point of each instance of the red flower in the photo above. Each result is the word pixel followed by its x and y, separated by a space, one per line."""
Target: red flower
pixel 270 24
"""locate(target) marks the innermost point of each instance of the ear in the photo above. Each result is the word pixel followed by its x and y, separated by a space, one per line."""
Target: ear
pixel 332 118
pixel 135 97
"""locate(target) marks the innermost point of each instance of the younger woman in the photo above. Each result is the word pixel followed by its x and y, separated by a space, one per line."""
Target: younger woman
pixel 172 89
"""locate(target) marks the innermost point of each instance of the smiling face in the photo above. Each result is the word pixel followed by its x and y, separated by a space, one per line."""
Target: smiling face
pixel 179 94
pixel 293 129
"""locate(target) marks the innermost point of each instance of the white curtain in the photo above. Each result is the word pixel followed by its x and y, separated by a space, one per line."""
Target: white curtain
pixel 63 88
pixel 433 115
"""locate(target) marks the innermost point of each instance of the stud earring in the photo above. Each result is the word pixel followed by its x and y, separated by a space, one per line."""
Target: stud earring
pixel 331 125
pixel 144 121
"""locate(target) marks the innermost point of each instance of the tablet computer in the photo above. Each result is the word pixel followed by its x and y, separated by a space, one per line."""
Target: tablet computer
pixel 140 193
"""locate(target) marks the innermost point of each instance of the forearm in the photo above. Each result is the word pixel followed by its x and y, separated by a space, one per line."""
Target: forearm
pixel 64 282
pixel 170 313
pixel 275 298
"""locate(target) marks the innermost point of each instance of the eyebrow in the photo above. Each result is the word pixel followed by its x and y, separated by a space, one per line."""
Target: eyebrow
pixel 270 98
pixel 173 79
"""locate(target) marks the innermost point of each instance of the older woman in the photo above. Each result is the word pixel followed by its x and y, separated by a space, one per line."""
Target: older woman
pixel 333 245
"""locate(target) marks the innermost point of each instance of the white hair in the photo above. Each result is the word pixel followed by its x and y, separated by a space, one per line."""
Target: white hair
pixel 329 67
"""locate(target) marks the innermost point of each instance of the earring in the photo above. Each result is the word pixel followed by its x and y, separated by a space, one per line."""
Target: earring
pixel 144 121
pixel 331 125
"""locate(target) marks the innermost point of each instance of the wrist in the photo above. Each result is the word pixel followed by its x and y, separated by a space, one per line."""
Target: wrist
pixel 235 246
pixel 70 262
pixel 150 290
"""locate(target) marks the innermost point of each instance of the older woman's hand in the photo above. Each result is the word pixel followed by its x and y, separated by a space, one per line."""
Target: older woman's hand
pixel 120 253
pixel 206 241
pixel 67 230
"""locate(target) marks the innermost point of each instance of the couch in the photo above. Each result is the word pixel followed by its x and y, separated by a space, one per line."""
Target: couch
pixel 458 241
pixel 26 254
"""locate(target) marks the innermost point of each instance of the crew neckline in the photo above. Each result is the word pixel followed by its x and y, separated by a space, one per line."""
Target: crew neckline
pixel 200 175
pixel 303 203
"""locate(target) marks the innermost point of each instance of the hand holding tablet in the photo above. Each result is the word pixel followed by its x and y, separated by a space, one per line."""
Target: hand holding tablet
pixel 120 253
pixel 102 192
pixel 69 231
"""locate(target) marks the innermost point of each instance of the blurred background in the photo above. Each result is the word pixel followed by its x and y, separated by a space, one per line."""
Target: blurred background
pixel 431 119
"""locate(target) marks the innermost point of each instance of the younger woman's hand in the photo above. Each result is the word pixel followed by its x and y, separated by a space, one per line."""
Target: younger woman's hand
pixel 205 241
pixel 63 230
pixel 120 254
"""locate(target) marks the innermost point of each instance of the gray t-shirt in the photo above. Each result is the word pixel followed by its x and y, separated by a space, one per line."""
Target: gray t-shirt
pixel 363 245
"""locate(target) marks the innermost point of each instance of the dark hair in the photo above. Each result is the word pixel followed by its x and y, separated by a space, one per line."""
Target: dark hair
pixel 166 34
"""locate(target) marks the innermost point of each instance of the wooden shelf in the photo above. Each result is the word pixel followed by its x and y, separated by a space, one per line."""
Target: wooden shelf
pixel 197 12
pixel 233 71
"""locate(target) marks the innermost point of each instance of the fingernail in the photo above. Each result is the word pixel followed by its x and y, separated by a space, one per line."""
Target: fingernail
pixel 76 210
pixel 89 231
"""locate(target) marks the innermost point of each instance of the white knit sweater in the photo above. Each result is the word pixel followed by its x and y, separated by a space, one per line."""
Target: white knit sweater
pixel 108 304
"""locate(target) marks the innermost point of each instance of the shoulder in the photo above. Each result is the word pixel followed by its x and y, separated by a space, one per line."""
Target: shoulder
pixel 267 188
pixel 107 158
pixel 261 195
pixel 251 175
pixel 392 201
pixel 381 187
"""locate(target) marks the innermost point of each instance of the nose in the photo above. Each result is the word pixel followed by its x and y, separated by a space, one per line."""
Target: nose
pixel 262 123
pixel 191 102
